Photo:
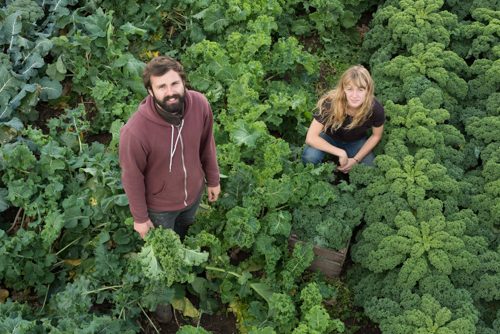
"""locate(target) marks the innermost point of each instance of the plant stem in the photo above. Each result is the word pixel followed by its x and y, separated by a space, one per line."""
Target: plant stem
pixel 103 289
pixel 223 271
pixel 44 300
pixel 150 321
pixel 72 242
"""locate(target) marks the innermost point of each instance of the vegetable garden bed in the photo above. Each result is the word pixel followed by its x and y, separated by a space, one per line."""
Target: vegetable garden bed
pixel 328 261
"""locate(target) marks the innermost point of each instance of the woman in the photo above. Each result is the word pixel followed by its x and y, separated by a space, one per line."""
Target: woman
pixel 341 125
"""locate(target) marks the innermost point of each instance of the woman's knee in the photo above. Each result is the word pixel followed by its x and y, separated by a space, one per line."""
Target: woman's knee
pixel 312 155
pixel 369 160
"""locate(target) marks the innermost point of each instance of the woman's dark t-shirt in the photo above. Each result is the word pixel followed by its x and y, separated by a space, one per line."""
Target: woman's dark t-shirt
pixel 376 119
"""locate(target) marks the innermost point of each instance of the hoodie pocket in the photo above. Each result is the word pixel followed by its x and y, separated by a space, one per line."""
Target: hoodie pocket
pixel 157 192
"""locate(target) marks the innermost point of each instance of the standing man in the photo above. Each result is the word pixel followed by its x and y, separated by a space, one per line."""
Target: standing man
pixel 167 151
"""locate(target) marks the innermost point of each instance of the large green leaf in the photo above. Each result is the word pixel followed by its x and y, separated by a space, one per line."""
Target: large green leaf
pixel 59 7
pixel 12 26
pixel 4 204
pixel 8 88
pixel 194 258
pixel 9 130
pixel 263 290
pixel 151 266
pixel 57 71
pixel 247 134
pixel 131 29
pixel 50 89
pixel 97 24
pixel 19 99
pixel 30 69
pixel 132 67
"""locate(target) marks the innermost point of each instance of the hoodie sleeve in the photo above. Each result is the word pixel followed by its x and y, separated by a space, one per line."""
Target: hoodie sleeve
pixel 133 163
pixel 208 154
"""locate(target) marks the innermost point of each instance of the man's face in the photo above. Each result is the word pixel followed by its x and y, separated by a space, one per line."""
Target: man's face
pixel 168 91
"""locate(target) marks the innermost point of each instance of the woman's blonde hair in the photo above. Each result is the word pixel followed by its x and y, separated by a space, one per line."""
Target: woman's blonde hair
pixel 333 105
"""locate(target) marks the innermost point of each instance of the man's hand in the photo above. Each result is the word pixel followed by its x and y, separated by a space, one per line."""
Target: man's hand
pixel 143 228
pixel 213 193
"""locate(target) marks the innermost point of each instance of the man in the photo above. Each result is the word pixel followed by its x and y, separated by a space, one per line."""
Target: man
pixel 167 151
pixel 167 154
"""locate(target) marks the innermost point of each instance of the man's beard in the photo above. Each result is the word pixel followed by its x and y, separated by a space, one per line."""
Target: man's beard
pixel 176 108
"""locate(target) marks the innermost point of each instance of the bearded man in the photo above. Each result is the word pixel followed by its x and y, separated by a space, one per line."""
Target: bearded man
pixel 167 151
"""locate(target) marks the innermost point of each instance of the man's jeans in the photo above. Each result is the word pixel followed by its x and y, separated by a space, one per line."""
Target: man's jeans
pixel 315 156
pixel 179 221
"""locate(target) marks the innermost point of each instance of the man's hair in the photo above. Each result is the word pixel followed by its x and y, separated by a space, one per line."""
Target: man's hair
pixel 160 65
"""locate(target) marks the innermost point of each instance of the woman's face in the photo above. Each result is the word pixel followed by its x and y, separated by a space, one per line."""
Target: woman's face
pixel 355 95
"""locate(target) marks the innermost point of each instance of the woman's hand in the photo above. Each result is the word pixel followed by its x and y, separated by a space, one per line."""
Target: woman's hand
pixel 346 167
pixel 343 160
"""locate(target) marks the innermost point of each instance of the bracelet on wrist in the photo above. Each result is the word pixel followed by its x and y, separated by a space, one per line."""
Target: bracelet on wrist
pixel 356 160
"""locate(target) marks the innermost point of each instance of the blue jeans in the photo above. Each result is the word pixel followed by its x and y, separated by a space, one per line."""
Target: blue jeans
pixel 179 221
pixel 315 156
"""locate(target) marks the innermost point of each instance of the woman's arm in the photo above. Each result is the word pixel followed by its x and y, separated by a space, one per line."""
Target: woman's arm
pixel 368 146
pixel 313 139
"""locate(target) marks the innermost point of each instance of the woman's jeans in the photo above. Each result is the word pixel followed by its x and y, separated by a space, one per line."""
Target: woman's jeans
pixel 315 156
pixel 179 221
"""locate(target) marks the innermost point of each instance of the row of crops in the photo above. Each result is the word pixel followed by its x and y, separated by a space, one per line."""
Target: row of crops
pixel 423 225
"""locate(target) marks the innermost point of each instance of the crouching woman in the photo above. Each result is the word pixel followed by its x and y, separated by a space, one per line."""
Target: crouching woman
pixel 348 124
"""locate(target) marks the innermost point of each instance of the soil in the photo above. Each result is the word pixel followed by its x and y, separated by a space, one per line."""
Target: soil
pixel 226 324
pixel 45 113
pixel 216 324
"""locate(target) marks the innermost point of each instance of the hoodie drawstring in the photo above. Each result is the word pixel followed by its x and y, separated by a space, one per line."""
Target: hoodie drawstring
pixel 185 173
pixel 173 148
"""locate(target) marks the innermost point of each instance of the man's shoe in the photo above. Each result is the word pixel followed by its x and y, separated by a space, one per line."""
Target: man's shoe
pixel 163 313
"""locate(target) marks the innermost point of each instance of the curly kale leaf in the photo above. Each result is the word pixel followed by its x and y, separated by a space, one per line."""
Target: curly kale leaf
pixel 483 86
pixel 282 312
pixel 164 258
pixel 427 68
pixel 416 245
pixel 428 317
pixel 301 258
pixel 486 129
pixel 421 21
pixel 481 34
pixel 413 179
pixel 241 227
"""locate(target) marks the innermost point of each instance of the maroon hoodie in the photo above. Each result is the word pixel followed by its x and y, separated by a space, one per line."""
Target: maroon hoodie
pixel 164 167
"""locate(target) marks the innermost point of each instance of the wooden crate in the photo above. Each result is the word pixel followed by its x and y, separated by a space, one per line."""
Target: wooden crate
pixel 327 261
